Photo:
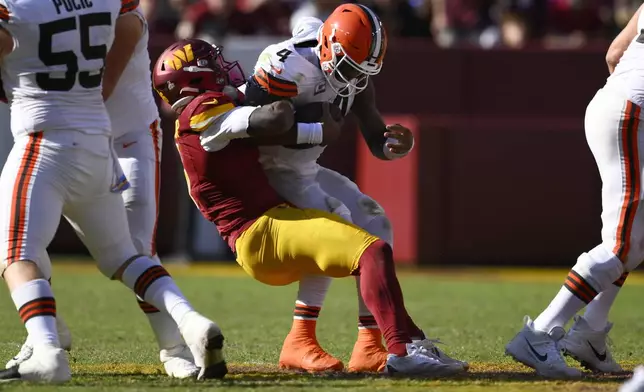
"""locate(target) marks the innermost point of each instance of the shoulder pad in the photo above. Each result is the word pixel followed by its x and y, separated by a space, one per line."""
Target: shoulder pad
pixel 203 110
pixel 306 29
pixel 280 60
pixel 279 70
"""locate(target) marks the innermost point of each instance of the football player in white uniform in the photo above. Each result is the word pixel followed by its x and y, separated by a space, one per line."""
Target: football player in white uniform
pixel 615 136
pixel 137 138
pixel 330 62
pixel 63 163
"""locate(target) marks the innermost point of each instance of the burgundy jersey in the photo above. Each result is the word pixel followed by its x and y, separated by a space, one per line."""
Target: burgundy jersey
pixel 229 185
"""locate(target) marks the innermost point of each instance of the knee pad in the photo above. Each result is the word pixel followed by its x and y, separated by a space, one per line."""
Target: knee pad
pixel 336 207
pixel 380 226
pixel 374 220
pixel 599 267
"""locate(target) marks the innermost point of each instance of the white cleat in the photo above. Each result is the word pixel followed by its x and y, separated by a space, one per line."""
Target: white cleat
pixel 421 363
pixel 430 345
pixel 24 354
pixel 46 364
pixel 179 362
pixel 64 338
pixel 590 347
pixel 64 335
pixel 636 383
pixel 540 351
pixel 206 343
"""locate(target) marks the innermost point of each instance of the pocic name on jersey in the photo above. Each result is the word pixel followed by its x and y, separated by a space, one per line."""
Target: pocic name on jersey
pixel 72 5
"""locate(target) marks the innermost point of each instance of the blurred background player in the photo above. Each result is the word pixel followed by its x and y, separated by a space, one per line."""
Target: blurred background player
pixel 330 62
pixel 274 243
pixel 615 137
pixel 137 140
pixel 62 163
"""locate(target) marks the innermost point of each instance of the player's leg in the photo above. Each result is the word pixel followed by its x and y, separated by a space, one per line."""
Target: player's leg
pixel 368 352
pixel 613 134
pixel 587 338
pixel 596 314
pixel 301 349
pixel 64 335
pixel 30 210
pixel 287 243
pixel 140 158
pixel 100 220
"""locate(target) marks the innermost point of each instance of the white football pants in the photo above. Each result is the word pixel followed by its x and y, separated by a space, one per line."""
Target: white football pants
pixel 615 135
pixel 139 154
pixel 69 173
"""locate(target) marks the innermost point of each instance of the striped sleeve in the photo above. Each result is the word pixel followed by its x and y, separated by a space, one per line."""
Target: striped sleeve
pixel 128 6
pixel 4 12
pixel 275 85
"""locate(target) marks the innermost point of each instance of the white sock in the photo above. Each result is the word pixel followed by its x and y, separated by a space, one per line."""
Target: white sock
pixel 310 297
pixel 164 328
pixel 37 309
pixel 365 318
pixel 573 296
pixel 562 308
pixel 596 314
pixel 151 281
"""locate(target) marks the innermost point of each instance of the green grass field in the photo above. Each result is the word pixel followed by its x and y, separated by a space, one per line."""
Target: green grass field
pixel 474 311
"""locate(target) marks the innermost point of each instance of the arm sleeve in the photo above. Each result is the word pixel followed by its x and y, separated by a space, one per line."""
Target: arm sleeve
pixel 218 130
pixel 7 24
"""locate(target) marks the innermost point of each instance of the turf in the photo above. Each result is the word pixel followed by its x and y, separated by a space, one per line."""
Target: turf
pixel 475 312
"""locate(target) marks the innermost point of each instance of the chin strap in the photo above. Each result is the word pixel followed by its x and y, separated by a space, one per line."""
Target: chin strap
pixel 182 102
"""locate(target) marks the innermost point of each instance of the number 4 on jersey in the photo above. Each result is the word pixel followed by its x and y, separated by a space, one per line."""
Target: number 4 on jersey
pixel 283 54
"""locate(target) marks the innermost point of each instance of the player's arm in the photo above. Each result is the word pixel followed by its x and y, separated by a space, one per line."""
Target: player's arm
pixel 621 42
pixel 385 142
pixel 314 124
pixel 263 88
pixel 272 124
pixel 127 33
pixel 7 42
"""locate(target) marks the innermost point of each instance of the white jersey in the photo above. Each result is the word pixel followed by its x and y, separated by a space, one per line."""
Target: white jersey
pixel 131 106
pixel 53 76
pixel 628 77
pixel 295 62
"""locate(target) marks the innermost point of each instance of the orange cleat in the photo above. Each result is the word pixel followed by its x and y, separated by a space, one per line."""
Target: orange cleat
pixel 301 350
pixel 369 354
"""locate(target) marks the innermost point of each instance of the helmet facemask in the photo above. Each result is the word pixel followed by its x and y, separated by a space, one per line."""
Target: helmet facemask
pixel 345 76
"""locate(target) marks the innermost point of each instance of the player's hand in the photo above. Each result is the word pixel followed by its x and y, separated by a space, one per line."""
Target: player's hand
pixel 403 139
pixel 332 121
